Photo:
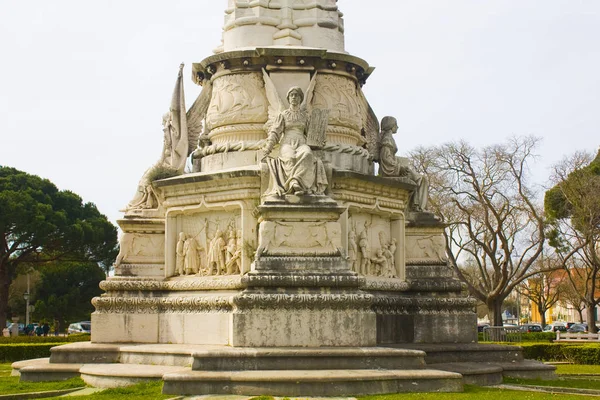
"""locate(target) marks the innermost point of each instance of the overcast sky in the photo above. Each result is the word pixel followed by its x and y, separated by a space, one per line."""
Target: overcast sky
pixel 84 83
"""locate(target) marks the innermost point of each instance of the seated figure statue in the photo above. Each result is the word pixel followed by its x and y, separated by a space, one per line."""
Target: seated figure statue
pixel 392 166
pixel 296 170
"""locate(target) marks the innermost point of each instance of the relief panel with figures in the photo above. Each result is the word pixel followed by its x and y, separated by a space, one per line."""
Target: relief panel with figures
pixel 371 247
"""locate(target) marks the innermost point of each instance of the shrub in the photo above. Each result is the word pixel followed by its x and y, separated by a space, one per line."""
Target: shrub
pixel 25 351
pixel 578 353
pixel 79 337
pixel 531 337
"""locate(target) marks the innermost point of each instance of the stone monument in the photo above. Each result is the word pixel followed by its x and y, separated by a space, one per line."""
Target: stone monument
pixel 281 264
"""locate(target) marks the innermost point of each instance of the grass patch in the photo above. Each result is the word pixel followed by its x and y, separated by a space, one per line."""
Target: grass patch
pixel 141 391
pixel 562 382
pixel 569 369
pixel 11 385
pixel 476 393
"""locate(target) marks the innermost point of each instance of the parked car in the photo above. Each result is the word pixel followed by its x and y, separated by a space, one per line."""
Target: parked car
pixel 570 324
pixel 531 328
pixel 578 328
pixel 21 328
pixel 80 327
pixel 481 327
pixel 555 327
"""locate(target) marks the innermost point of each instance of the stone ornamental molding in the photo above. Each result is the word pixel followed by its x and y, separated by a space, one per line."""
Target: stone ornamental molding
pixel 278 280
pixel 385 284
pixel 282 59
pixel 321 301
pixel 184 305
pixel 423 306
pixel 187 284
pixel 428 271
pixel 435 285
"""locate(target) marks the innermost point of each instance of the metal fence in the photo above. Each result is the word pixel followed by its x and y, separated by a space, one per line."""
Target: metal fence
pixel 502 334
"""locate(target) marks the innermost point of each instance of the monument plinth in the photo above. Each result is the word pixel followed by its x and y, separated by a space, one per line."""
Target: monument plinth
pixel 280 264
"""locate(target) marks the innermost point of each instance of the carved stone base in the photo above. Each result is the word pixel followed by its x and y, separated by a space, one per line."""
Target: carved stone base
pixel 142 250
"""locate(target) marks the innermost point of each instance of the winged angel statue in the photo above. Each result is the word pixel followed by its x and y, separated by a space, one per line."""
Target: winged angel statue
pixel 296 170
pixel 181 134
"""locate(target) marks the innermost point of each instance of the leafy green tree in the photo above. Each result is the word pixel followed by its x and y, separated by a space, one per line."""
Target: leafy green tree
pixel 65 290
pixel 573 206
pixel 40 224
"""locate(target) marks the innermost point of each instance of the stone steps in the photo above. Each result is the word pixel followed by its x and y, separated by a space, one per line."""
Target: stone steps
pixel 321 358
pixel 465 352
pixel 118 375
pixel 312 383
pixel 287 371
pixel 44 371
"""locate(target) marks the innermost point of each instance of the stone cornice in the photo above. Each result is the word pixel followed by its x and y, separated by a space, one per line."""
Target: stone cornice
pixel 282 58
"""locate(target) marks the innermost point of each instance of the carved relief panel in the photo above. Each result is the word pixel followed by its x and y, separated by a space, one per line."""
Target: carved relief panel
pixel 208 244
pixel 237 99
pixel 339 95
pixel 299 239
pixel 140 254
pixel 425 246
pixel 372 248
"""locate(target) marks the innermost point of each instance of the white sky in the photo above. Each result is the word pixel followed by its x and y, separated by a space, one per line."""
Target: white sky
pixel 84 83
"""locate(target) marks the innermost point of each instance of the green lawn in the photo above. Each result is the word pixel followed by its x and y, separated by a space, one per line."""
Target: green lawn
pixel 562 382
pixel 569 369
pixel 142 391
pixel 478 393
pixel 152 390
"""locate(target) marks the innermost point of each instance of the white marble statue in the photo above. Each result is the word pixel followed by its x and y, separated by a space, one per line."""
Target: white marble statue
pixel 191 259
pixel 296 170
pixel 180 254
pixel 216 254
pixel 392 166
pixel 181 131
pixel 363 245
pixel 352 250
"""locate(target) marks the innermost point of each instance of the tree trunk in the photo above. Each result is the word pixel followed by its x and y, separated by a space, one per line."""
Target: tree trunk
pixel 4 286
pixel 542 316
pixel 580 312
pixel 591 321
pixel 495 311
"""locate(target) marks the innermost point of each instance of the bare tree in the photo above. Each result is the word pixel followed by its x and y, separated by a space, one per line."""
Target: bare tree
pixel 494 222
pixel 570 297
pixel 574 207
pixel 543 290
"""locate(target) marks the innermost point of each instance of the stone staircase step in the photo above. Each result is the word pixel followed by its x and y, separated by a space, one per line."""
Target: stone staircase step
pixel 17 365
pixel 311 383
pixel 85 353
pixel 119 375
pixel 465 352
pixel 325 358
pixel 474 373
pixel 161 354
pixel 528 369
pixel 44 371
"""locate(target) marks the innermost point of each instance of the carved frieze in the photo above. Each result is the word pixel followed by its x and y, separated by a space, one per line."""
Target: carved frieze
pixel 338 94
pixel 209 244
pixel 140 248
pixel 232 282
pixel 141 305
pixel 284 301
pixel 425 246
pixel 371 248
pixel 423 306
pixel 299 238
pixel 237 99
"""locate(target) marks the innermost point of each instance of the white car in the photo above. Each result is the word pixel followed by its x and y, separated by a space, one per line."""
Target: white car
pixel 80 327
